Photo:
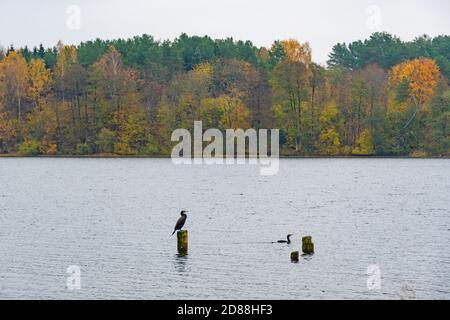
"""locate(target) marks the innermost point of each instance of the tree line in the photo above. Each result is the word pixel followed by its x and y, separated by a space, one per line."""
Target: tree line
pixel 380 96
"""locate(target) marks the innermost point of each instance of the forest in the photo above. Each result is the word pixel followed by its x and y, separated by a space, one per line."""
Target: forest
pixel 375 97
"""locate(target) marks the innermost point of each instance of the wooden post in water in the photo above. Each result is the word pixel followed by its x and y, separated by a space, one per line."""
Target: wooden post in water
pixel 294 256
pixel 182 237
pixel 307 245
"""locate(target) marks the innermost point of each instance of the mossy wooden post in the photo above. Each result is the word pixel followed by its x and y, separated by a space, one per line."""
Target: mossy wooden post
pixel 182 237
pixel 294 256
pixel 307 245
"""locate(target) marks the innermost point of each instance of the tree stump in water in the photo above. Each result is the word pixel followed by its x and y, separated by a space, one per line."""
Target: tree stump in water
pixel 182 237
pixel 307 245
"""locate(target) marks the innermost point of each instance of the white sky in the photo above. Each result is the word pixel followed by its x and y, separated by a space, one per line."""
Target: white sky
pixel 321 22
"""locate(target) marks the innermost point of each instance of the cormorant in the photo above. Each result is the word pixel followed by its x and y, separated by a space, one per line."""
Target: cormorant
pixel 288 239
pixel 181 221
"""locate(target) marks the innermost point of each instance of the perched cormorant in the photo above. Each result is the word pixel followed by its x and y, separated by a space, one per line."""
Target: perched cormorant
pixel 181 221
pixel 288 239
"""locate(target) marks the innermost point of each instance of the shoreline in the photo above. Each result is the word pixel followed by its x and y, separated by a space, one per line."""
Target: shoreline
pixel 161 156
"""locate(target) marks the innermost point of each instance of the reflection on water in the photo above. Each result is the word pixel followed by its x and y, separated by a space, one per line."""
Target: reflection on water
pixel 307 257
pixel 113 218
pixel 180 263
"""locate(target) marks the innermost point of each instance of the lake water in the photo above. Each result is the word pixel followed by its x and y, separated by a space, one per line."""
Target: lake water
pixel 113 218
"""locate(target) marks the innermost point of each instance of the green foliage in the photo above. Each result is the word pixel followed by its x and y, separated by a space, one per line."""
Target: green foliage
pixel 402 91
pixel 444 65
pixel 283 137
pixel 126 96
pixel 437 140
pixel 105 141
pixel 29 148
pixel 83 149
pixel 386 50
pixel 380 131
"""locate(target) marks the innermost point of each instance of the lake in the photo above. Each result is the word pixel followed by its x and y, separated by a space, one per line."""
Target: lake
pixel 113 219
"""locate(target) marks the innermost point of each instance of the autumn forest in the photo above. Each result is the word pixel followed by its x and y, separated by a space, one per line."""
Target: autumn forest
pixel 380 96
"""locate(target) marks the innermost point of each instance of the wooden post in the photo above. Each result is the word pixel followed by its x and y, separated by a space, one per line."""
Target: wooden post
pixel 294 256
pixel 307 245
pixel 182 237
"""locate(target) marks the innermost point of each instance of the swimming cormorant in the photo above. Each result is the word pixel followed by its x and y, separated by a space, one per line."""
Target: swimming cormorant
pixel 181 221
pixel 288 239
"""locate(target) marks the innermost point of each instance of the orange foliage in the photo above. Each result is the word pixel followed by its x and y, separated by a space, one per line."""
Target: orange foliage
pixel 297 52
pixel 422 76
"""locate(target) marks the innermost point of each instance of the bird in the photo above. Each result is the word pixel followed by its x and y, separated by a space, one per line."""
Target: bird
pixel 286 241
pixel 181 221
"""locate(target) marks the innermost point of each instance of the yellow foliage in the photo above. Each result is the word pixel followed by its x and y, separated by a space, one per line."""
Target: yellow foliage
pixel 418 154
pixel 329 141
pixel 364 144
pixel 230 112
pixel 133 135
pixel 14 76
pixel 66 54
pixel 235 113
pixel 329 114
pixel 40 79
pixel 203 71
pixel 393 105
pixel 297 52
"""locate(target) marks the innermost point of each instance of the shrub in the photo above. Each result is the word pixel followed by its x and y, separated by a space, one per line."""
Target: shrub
pixel 30 148
pixel 83 149
pixel 105 141
pixel 52 149
pixel 418 154
pixel 151 148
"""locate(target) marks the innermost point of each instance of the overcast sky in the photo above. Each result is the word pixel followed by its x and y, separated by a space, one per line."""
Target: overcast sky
pixel 320 22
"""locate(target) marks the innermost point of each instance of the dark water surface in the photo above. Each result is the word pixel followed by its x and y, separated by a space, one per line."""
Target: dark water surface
pixel 113 218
